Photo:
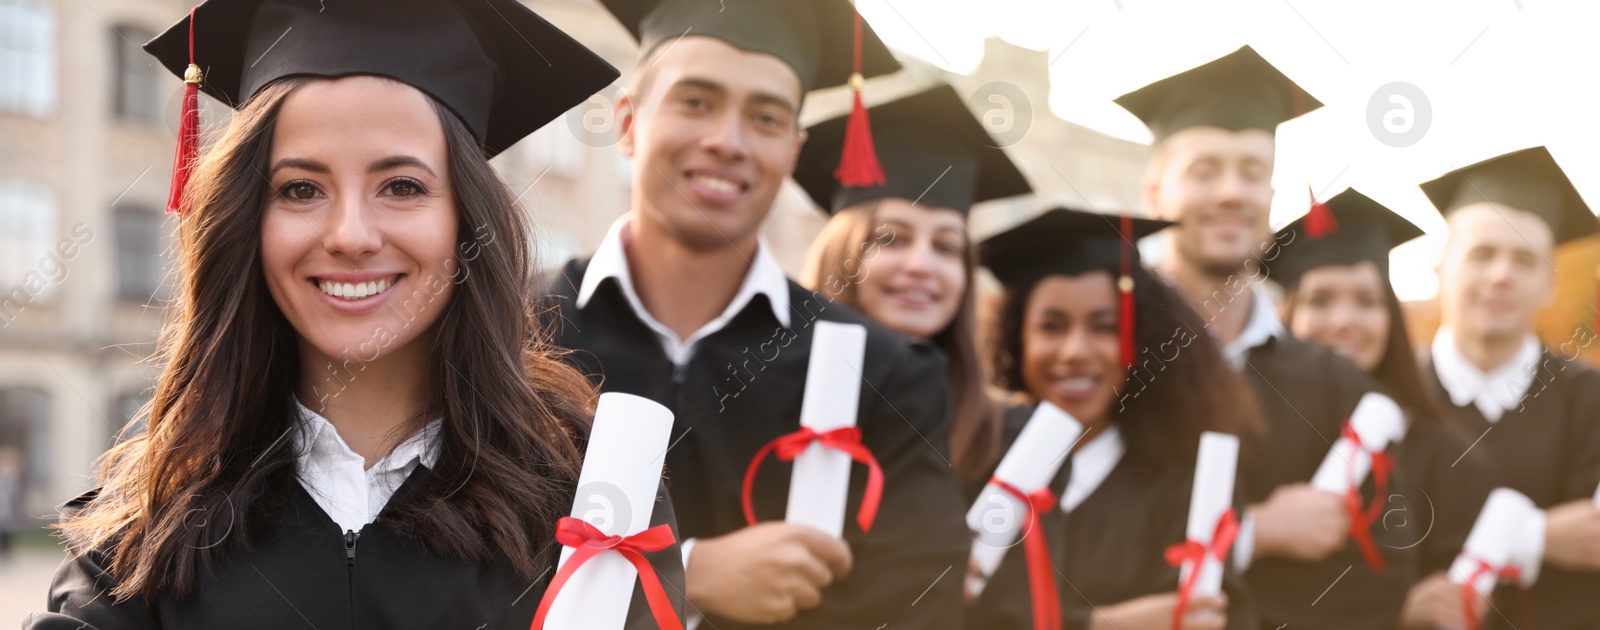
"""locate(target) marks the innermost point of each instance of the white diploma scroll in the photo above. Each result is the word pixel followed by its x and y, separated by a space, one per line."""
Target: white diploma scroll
pixel 820 485
pixel 1212 496
pixel 1499 537
pixel 997 518
pixel 1379 422
pixel 617 495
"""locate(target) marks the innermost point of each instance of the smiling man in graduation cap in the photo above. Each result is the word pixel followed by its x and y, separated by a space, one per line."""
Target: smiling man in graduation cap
pixel 1507 214
pixel 683 303
pixel 1211 169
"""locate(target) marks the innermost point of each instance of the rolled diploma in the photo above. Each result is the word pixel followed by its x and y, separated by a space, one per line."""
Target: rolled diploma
pixel 1379 422
pixel 623 461
pixel 1213 494
pixel 820 485
pixel 1494 538
pixel 996 517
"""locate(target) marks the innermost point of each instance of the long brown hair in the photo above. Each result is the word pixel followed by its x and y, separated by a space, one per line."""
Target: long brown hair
pixel 213 469
pixel 1398 371
pixel 834 266
pixel 1190 393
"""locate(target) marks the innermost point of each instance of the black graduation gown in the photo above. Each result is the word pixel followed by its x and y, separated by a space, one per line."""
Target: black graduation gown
pixel 1434 502
pixel 1306 393
pixel 742 388
pixel 300 574
pixel 1108 550
pixel 1549 450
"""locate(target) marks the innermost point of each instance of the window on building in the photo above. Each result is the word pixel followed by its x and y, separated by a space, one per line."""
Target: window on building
pixel 27 238
pixel 25 425
pixel 141 239
pixel 27 57
pixel 137 79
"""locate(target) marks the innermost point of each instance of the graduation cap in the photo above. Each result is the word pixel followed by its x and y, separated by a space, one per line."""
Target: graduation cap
pixel 499 67
pixel 933 152
pixel 1363 229
pixel 1528 180
pixel 1238 91
pixel 1070 242
pixel 815 37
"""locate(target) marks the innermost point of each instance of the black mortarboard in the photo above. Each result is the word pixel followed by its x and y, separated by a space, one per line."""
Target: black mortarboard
pixel 1072 242
pixel 1064 242
pixel 1239 91
pixel 502 69
pixel 932 150
pixel 1359 229
pixel 1528 180
pixel 812 36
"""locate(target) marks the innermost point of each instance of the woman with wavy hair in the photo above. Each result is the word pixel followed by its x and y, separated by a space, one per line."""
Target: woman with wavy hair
pixel 899 252
pixel 1335 278
pixel 1145 380
pixel 355 423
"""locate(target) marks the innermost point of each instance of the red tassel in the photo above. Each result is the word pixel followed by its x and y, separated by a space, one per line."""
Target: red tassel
pixel 858 166
pixel 1125 288
pixel 188 130
pixel 1320 221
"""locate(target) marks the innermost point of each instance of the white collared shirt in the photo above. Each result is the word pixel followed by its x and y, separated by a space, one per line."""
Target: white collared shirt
pixel 1262 326
pixel 1091 464
pixel 1495 392
pixel 610 260
pixel 336 477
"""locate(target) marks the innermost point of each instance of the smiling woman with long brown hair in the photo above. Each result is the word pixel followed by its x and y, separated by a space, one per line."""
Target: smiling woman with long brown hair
pixel 900 254
pixel 356 423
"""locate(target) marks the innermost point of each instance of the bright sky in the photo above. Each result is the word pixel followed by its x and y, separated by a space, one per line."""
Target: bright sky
pixel 1497 75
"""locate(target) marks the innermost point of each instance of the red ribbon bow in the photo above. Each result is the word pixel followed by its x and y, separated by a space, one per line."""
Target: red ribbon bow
pixel 1194 552
pixel 588 542
pixel 1041 577
pixel 1508 573
pixel 1361 520
pixel 846 440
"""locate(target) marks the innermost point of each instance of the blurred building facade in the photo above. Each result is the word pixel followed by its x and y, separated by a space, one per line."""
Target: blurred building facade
pixel 87 126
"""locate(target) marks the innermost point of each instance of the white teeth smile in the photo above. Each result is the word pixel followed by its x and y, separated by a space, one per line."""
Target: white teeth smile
pixel 354 291
pixel 716 183
pixel 1078 384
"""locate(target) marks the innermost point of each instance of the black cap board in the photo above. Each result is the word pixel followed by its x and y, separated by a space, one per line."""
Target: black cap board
pixel 1528 180
pixel 1362 230
pixel 815 37
pixel 1063 241
pixel 502 69
pixel 933 152
pixel 1238 91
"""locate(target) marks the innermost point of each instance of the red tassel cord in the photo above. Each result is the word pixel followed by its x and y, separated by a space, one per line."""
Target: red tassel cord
pixel 846 440
pixel 1125 291
pixel 858 166
pixel 1041 575
pixel 1320 221
pixel 588 542
pixel 1362 519
pixel 1194 553
pixel 1507 574
pixel 188 129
